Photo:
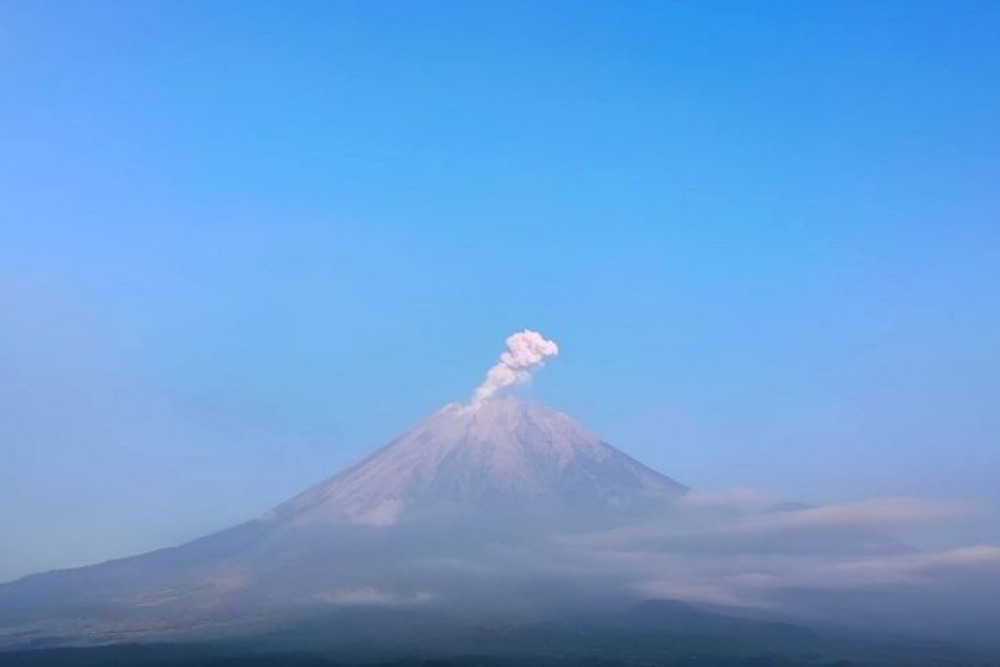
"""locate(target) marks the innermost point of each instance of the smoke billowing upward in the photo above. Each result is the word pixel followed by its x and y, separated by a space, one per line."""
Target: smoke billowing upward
pixel 526 351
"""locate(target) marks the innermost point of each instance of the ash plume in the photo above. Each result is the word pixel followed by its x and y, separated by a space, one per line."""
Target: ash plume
pixel 526 351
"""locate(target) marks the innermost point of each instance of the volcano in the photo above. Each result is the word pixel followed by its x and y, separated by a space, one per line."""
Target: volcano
pixel 504 529
pixel 507 457
pixel 472 488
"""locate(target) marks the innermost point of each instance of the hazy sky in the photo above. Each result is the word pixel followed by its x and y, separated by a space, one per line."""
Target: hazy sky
pixel 241 244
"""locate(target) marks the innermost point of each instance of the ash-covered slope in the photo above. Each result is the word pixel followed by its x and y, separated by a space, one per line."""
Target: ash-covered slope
pixel 503 455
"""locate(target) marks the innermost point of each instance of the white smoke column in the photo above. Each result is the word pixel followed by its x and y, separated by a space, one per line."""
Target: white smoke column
pixel 526 351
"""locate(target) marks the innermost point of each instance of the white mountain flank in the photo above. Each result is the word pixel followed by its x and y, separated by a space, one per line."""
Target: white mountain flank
pixel 502 453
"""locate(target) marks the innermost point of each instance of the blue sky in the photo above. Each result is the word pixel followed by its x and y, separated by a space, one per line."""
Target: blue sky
pixel 242 244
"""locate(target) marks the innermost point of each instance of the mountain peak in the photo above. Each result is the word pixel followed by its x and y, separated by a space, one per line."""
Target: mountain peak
pixel 503 454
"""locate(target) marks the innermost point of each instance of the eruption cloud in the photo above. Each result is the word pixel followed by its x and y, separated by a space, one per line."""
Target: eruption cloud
pixel 526 351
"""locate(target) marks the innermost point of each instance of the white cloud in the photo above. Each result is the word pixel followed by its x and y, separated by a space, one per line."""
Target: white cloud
pixel 876 514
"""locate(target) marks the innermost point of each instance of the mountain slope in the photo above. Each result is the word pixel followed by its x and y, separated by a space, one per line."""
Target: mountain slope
pixel 504 455
pixel 430 516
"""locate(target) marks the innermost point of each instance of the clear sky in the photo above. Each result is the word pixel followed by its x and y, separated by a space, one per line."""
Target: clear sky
pixel 243 243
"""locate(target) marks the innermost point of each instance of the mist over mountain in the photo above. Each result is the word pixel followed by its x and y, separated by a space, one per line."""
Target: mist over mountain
pixel 503 510
pixel 425 518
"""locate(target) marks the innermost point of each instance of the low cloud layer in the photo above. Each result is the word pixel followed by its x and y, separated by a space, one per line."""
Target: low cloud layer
pixel 833 563
pixel 876 514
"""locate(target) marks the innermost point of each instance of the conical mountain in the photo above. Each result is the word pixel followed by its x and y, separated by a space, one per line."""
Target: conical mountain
pixel 422 518
pixel 503 455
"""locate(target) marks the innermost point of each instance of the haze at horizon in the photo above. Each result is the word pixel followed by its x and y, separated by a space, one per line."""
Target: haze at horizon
pixel 263 243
